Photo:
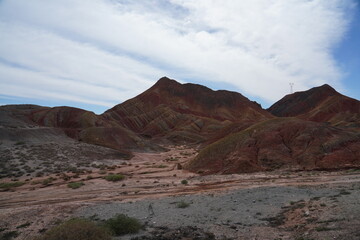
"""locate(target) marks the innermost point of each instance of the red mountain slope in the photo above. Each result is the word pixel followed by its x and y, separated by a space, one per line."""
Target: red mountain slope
pixel 320 104
pixel 55 124
pixel 280 143
pixel 186 112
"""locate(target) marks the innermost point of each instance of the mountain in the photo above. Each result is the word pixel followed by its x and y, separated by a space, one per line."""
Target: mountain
pixel 320 104
pixel 16 126
pixel 36 124
pixel 314 129
pixel 183 112
pixel 287 143
pixel 168 111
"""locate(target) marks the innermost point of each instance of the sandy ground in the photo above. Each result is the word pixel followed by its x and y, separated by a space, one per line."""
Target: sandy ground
pixel 272 205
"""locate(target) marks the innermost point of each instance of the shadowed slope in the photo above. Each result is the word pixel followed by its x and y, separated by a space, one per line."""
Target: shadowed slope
pixel 320 104
pixel 280 143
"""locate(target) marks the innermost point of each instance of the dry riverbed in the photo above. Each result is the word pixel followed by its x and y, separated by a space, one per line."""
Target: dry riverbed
pixel 272 205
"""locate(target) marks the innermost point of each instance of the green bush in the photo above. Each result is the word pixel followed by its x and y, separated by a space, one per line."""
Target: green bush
pixel 185 182
pixel 122 224
pixel 47 181
pixel 114 177
pixel 9 185
pixel 76 229
pixel 182 204
pixel 75 185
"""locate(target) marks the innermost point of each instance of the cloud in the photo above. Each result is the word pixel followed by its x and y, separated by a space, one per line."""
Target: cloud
pixel 106 51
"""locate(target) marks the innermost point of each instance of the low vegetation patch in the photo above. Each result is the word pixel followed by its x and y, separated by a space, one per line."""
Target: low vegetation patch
pixel 171 159
pixel 344 192
pixel 9 185
pixel 160 166
pixel 25 225
pixel 77 229
pixel 185 182
pixel 182 204
pixel 122 224
pixel 321 229
pixel 75 185
pixel 157 166
pixel 114 177
pixel 9 235
pixel 48 181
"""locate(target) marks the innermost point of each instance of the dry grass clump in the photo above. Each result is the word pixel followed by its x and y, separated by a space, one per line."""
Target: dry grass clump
pixel 76 229
pixel 75 185
pixel 9 185
pixel 114 177
pixel 122 224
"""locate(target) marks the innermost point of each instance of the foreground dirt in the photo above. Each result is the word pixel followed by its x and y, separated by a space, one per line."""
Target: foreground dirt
pixel 271 205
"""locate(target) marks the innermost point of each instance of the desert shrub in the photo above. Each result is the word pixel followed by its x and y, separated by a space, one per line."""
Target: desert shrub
pixel 76 229
pixel 113 167
pixel 76 175
pixel 25 225
pixel 160 166
pixel 75 185
pixel 9 185
pixel 48 181
pixel 65 177
pixel 9 235
pixel 114 177
pixel 184 182
pixel 122 224
pixel 323 228
pixel 344 192
pixel 182 204
pixel 171 159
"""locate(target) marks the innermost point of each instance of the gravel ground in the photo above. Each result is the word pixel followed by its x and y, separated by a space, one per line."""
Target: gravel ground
pixel 304 212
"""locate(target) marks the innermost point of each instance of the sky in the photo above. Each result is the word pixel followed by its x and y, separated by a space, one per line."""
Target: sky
pixel 95 54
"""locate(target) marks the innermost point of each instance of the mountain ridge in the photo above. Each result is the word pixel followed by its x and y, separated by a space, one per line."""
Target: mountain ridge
pixel 220 123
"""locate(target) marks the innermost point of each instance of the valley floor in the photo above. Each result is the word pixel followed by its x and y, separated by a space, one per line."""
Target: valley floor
pixel 271 205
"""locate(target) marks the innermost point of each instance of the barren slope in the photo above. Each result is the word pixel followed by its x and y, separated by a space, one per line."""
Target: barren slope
pixel 184 112
pixel 280 143
pixel 320 104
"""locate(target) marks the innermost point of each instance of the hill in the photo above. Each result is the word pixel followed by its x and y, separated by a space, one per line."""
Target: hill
pixel 183 112
pixel 287 143
pixel 320 104
pixel 315 129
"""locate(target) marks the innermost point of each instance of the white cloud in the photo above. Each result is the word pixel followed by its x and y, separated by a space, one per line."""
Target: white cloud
pixel 112 50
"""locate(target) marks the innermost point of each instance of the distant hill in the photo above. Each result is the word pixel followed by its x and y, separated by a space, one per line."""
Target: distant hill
pixel 320 104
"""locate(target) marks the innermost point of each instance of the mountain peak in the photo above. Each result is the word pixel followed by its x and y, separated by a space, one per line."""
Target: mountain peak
pixel 324 89
pixel 160 108
pixel 165 81
pixel 304 102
